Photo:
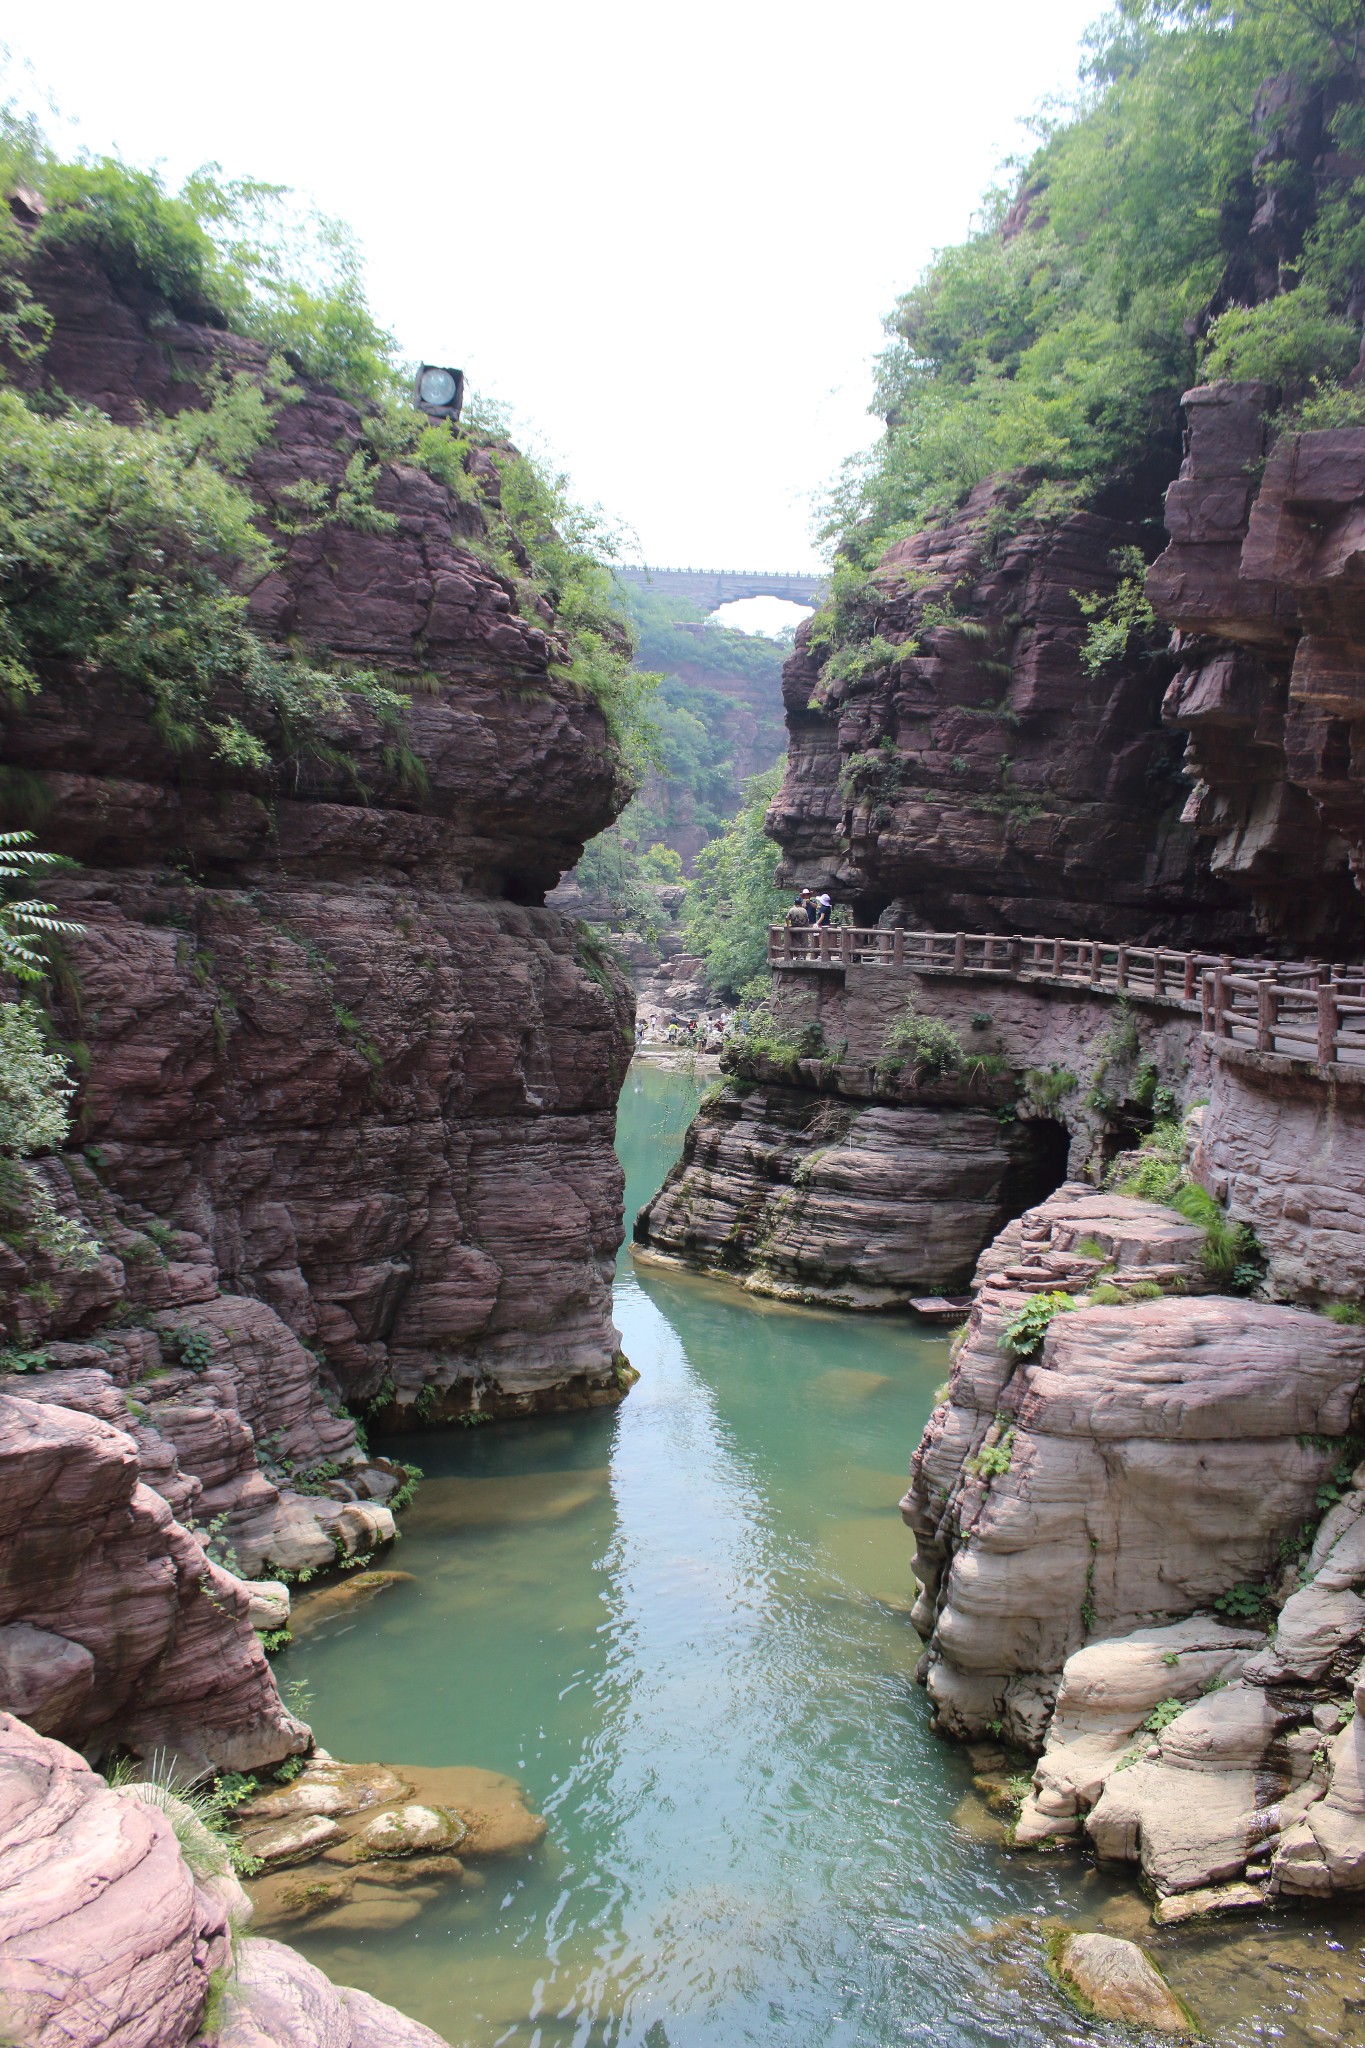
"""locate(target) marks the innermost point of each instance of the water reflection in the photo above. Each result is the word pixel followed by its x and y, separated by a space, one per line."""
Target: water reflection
pixel 685 1629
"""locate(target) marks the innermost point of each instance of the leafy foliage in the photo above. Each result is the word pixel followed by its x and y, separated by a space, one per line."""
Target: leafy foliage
pixel 1120 619
pixel 1054 342
pixel 128 549
pixel 35 1095
pixel 1024 1333
pixel 734 897
pixel 928 1046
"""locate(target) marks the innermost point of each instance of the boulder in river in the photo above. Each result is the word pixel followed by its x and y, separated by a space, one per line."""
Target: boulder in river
pixel 1110 1979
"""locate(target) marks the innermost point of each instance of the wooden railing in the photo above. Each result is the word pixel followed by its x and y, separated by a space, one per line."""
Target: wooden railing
pixel 1302 1009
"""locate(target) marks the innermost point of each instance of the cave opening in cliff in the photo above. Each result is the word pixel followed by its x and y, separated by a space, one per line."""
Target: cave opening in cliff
pixel 1038 1168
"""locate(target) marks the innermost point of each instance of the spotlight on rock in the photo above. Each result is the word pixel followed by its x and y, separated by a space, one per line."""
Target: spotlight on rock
pixel 440 392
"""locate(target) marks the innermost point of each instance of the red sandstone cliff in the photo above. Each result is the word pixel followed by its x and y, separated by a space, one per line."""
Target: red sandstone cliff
pixel 1264 582
pixel 331 1031
pixel 982 779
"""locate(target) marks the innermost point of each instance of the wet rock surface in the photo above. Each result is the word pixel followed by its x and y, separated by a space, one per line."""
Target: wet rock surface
pixel 1112 1979
pixel 357 1846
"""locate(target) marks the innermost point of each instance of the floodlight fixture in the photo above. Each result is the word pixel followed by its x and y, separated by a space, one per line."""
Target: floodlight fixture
pixel 439 392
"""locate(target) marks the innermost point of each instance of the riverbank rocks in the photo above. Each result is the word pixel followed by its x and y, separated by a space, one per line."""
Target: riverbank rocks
pixel 278 2000
pixel 104 1934
pixel 805 1197
pixel 1154 1455
pixel 115 1626
pixel 368 1845
pixel 1104 1533
pixel 1110 1979
pixel 113 1935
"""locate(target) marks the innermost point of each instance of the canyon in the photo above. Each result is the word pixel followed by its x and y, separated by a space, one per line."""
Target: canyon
pixel 1137 1507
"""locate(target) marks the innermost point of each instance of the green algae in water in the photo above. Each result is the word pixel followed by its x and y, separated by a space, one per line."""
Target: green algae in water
pixel 684 1627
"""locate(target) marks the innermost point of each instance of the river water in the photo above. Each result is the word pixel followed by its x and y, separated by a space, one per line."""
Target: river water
pixel 684 1627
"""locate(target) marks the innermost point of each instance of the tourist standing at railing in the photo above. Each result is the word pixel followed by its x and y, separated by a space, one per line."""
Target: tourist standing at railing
pixel 800 913
pixel 824 910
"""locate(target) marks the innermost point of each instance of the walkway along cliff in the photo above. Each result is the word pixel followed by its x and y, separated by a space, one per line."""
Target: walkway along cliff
pixel 1139 1509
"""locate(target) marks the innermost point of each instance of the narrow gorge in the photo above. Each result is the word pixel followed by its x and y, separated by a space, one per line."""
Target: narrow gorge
pixel 459 1582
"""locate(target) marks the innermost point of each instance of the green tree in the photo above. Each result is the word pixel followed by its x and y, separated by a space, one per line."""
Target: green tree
pixel 1056 339
pixel 734 896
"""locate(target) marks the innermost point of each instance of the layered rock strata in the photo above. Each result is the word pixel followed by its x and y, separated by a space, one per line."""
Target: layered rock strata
pixel 840 1175
pixel 956 765
pixel 1092 1522
pixel 1262 581
pixel 108 1936
pixel 115 1624
pixel 330 1029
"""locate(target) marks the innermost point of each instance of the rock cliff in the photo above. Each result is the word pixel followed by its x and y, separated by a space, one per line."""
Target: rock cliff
pixel 835 1167
pixel 952 764
pixel 327 1027
pixel 1106 1520
pixel 1262 582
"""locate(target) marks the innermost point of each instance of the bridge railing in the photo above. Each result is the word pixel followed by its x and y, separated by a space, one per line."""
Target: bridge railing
pixel 1303 1009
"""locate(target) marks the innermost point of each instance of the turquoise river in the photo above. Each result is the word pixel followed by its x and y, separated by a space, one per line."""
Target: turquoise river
pixel 684 1627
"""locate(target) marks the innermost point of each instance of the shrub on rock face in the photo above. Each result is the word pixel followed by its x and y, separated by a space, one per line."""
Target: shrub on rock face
pixel 1025 1332
pixel 928 1046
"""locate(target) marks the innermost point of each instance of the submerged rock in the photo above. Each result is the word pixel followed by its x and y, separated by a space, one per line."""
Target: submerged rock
pixel 1110 1979
pixel 406 1831
pixel 371 1825
pixel 312 1610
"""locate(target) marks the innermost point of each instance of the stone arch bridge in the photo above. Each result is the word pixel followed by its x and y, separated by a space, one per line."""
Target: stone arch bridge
pixel 708 588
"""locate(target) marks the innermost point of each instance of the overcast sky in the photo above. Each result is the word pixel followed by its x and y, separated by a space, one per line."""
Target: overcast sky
pixel 664 234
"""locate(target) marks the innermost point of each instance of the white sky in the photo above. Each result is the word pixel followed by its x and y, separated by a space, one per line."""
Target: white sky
pixel 665 235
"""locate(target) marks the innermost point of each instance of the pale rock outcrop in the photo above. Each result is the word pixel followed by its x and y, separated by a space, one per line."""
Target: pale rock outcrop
pixel 278 2000
pixel 114 1623
pixel 1157 1454
pixel 1153 1457
pixel 105 1937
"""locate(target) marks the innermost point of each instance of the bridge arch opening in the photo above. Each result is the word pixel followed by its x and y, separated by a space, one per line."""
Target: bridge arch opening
pixel 770 616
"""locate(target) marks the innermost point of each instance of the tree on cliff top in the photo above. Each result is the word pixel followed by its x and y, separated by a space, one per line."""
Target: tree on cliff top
pixel 1056 340
pixel 132 544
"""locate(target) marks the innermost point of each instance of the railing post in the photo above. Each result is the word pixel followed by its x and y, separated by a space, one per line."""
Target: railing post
pixel 1267 1005
pixel 1016 955
pixel 1220 1014
pixel 846 945
pixel 959 952
pixel 1121 969
pixel 898 947
pixel 1158 973
pixel 784 942
pixel 1190 972
pixel 1327 1025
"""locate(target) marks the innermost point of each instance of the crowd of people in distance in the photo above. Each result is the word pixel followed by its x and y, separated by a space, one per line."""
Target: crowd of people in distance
pixel 690 1034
